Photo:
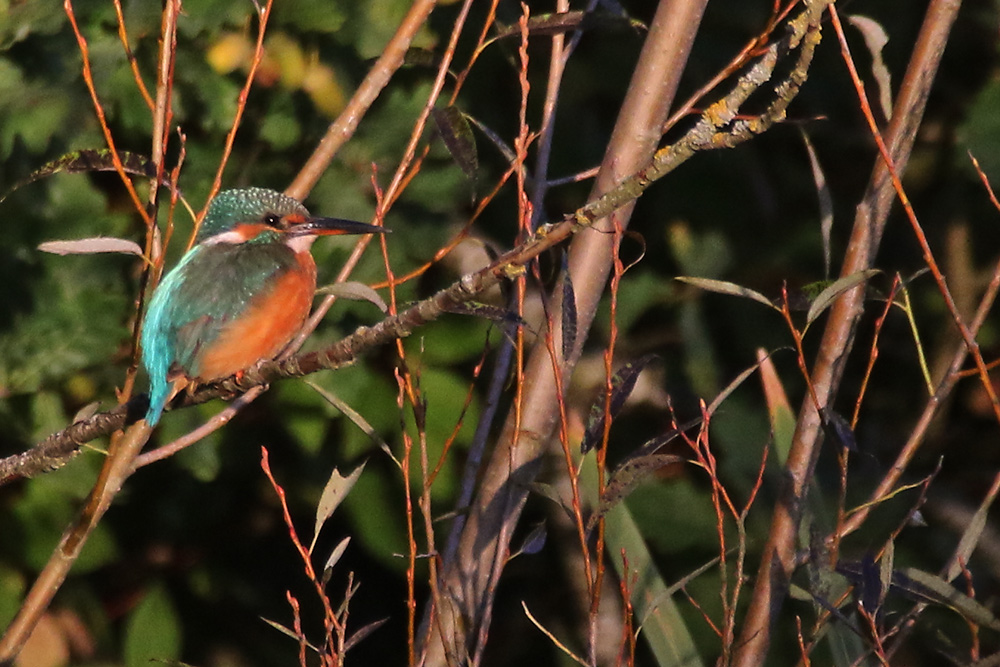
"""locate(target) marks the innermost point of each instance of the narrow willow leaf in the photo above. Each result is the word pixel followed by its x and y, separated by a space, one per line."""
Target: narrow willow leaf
pixel 725 287
pixel 417 57
pixel 287 632
pixel 871 591
pixel 336 489
pixel 970 537
pixel 354 416
pixel 730 388
pixel 363 632
pixel 502 146
pixel 622 384
pixel 886 568
pixel 354 291
pixel 456 132
pixel 92 246
pixel 533 542
pixel 556 23
pixel 923 586
pixel 626 477
pixel 875 39
pixel 825 202
pixel 826 298
pixel 86 161
pixel 569 318
pixel 654 445
pixel 779 409
pixel 86 412
pixel 494 314
pixel 334 558
pixel 932 588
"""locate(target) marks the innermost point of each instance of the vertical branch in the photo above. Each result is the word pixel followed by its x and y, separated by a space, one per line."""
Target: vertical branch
pixel 778 559
pixel 470 578
pixel 162 117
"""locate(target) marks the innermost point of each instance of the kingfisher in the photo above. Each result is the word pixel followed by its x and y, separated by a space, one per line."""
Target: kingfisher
pixel 239 295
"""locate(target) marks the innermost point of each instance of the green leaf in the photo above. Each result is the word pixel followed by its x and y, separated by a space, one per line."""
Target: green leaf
pixel 826 298
pixel 12 587
pixel 87 161
pixel 456 132
pixel 622 384
pixel 153 630
pixel 663 626
pixel 21 18
pixel 309 16
pixel 932 588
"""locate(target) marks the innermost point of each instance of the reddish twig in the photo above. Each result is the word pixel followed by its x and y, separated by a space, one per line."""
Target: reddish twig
pixel 334 625
pixel 263 14
pixel 778 559
pixel 88 79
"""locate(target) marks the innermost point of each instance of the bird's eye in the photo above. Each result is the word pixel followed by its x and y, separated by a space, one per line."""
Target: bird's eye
pixel 273 220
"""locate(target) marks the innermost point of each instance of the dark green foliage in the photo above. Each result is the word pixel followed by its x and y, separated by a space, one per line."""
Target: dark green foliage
pixel 195 550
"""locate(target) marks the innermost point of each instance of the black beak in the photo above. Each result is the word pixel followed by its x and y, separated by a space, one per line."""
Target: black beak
pixel 332 226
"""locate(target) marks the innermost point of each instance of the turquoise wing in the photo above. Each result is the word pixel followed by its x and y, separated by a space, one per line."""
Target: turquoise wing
pixel 209 288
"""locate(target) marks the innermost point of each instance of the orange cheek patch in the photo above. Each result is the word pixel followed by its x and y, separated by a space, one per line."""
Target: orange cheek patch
pixel 264 328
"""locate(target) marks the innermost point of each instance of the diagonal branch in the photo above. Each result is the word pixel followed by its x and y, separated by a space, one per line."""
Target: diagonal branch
pixel 708 133
pixel 470 579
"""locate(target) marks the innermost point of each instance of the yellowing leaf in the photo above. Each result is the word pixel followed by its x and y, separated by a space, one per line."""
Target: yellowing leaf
pixel 229 53
pixel 320 83
pixel 290 59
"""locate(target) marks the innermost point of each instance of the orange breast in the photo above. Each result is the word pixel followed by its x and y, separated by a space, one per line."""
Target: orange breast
pixel 271 320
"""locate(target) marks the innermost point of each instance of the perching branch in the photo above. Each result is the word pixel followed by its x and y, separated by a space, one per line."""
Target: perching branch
pixel 715 129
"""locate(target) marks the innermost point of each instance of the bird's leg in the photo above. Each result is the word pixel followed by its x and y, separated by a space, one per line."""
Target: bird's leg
pixel 181 383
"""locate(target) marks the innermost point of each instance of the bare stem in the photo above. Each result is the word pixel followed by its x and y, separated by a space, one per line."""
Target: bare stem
pixel 778 559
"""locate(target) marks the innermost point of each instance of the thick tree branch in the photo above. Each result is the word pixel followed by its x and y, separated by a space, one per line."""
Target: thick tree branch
pixel 471 577
pixel 778 560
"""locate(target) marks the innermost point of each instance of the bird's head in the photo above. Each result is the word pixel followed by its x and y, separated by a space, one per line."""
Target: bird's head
pixel 258 215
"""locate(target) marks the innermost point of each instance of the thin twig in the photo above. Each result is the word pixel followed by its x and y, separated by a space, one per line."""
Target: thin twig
pixel 778 559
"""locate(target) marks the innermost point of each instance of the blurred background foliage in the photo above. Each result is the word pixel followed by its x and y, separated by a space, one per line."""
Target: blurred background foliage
pixel 194 551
